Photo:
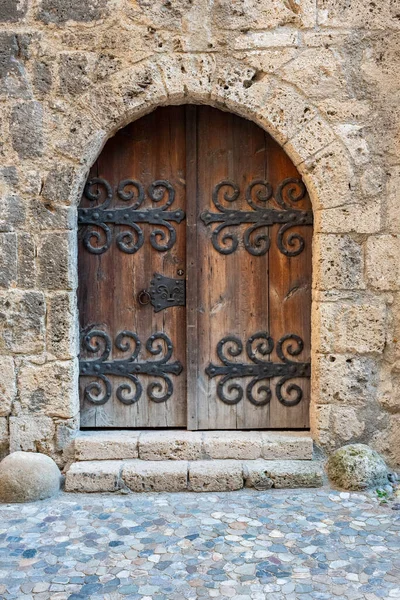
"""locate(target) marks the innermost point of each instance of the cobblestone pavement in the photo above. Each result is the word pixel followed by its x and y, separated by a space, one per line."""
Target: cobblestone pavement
pixel 246 545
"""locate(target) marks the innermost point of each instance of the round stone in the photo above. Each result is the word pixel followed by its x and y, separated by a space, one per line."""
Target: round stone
pixel 357 467
pixel 27 477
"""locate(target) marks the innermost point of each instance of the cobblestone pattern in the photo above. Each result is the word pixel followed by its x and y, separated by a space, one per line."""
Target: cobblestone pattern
pixel 317 74
pixel 244 545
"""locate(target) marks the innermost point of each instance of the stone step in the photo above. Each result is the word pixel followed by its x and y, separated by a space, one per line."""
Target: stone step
pixel 175 444
pixel 198 476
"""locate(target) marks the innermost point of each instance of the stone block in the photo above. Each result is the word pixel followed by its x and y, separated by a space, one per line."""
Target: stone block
pixel 80 139
pixel 232 444
pixel 74 73
pixel 358 217
pixel 61 11
pixel 347 423
pixel 256 40
pixel 26 265
pixel 7 385
pixel 46 215
pixel 31 433
pixel 250 14
pixel 8 259
pixel 188 75
pixel 386 441
pixel 391 194
pixel 4 437
pixel 215 475
pixel 12 213
pixel 318 72
pixel 27 129
pixel 22 316
pixel 383 262
pixel 102 445
pixel 286 446
pixel 375 15
pixel 13 80
pixel 62 335
pixel 285 111
pixel 349 328
pixel 42 78
pixel 329 177
pixel 345 379
pixel 170 445
pixel 311 138
pixel 56 261
pixel 12 11
pixel 139 87
pixel 155 476
pixel 50 389
pixel 267 60
pixel 58 184
pixel 66 431
pixel 353 136
pixel 94 476
pixel 283 473
pixel 340 262
pixel 256 475
pixel 360 328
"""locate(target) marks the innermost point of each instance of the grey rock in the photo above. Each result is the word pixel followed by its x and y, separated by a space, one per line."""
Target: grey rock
pixel 74 73
pixel 13 81
pixel 27 129
pixel 8 259
pixel 60 11
pixel 58 184
pixel 53 263
pixel 12 11
pixel 27 477
pixel 22 321
pixel 42 78
pixel 357 467
pixel 8 51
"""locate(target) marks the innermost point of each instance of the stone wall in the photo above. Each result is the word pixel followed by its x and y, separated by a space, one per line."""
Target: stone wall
pixel 320 75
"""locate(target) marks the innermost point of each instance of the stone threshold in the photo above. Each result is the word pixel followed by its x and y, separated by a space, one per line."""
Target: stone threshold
pixel 137 475
pixel 170 444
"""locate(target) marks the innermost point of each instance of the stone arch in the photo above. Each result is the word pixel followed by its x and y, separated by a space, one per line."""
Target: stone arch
pixel 276 106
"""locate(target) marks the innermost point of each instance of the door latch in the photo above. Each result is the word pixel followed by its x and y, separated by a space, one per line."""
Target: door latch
pixel 166 292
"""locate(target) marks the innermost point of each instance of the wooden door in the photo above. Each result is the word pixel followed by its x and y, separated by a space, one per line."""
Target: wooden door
pixel 194 278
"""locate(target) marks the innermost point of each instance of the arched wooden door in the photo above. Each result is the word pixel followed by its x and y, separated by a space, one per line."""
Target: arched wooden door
pixel 194 294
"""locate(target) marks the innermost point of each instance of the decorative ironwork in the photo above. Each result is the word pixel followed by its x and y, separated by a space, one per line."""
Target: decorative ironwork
pixel 166 292
pixel 258 349
pixel 257 243
pixel 132 239
pixel 101 368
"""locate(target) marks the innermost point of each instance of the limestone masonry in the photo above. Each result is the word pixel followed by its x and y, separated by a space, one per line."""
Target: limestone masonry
pixel 321 76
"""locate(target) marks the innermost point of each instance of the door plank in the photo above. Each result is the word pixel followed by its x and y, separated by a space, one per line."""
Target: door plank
pixel 192 268
pixel 153 148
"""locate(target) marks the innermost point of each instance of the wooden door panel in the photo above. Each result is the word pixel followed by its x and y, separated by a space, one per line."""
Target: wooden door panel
pixel 149 150
pixel 253 285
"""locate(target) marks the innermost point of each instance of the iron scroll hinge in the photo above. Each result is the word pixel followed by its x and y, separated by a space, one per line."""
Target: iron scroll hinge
pixel 102 368
pixel 260 369
pixel 265 208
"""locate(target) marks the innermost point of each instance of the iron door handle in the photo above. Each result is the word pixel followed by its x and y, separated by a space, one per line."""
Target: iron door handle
pixel 144 297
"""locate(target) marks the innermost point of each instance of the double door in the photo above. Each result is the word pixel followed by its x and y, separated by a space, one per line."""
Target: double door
pixel 194 290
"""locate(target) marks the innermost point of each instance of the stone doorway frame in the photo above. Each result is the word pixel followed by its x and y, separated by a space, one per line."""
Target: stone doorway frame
pixel 322 159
